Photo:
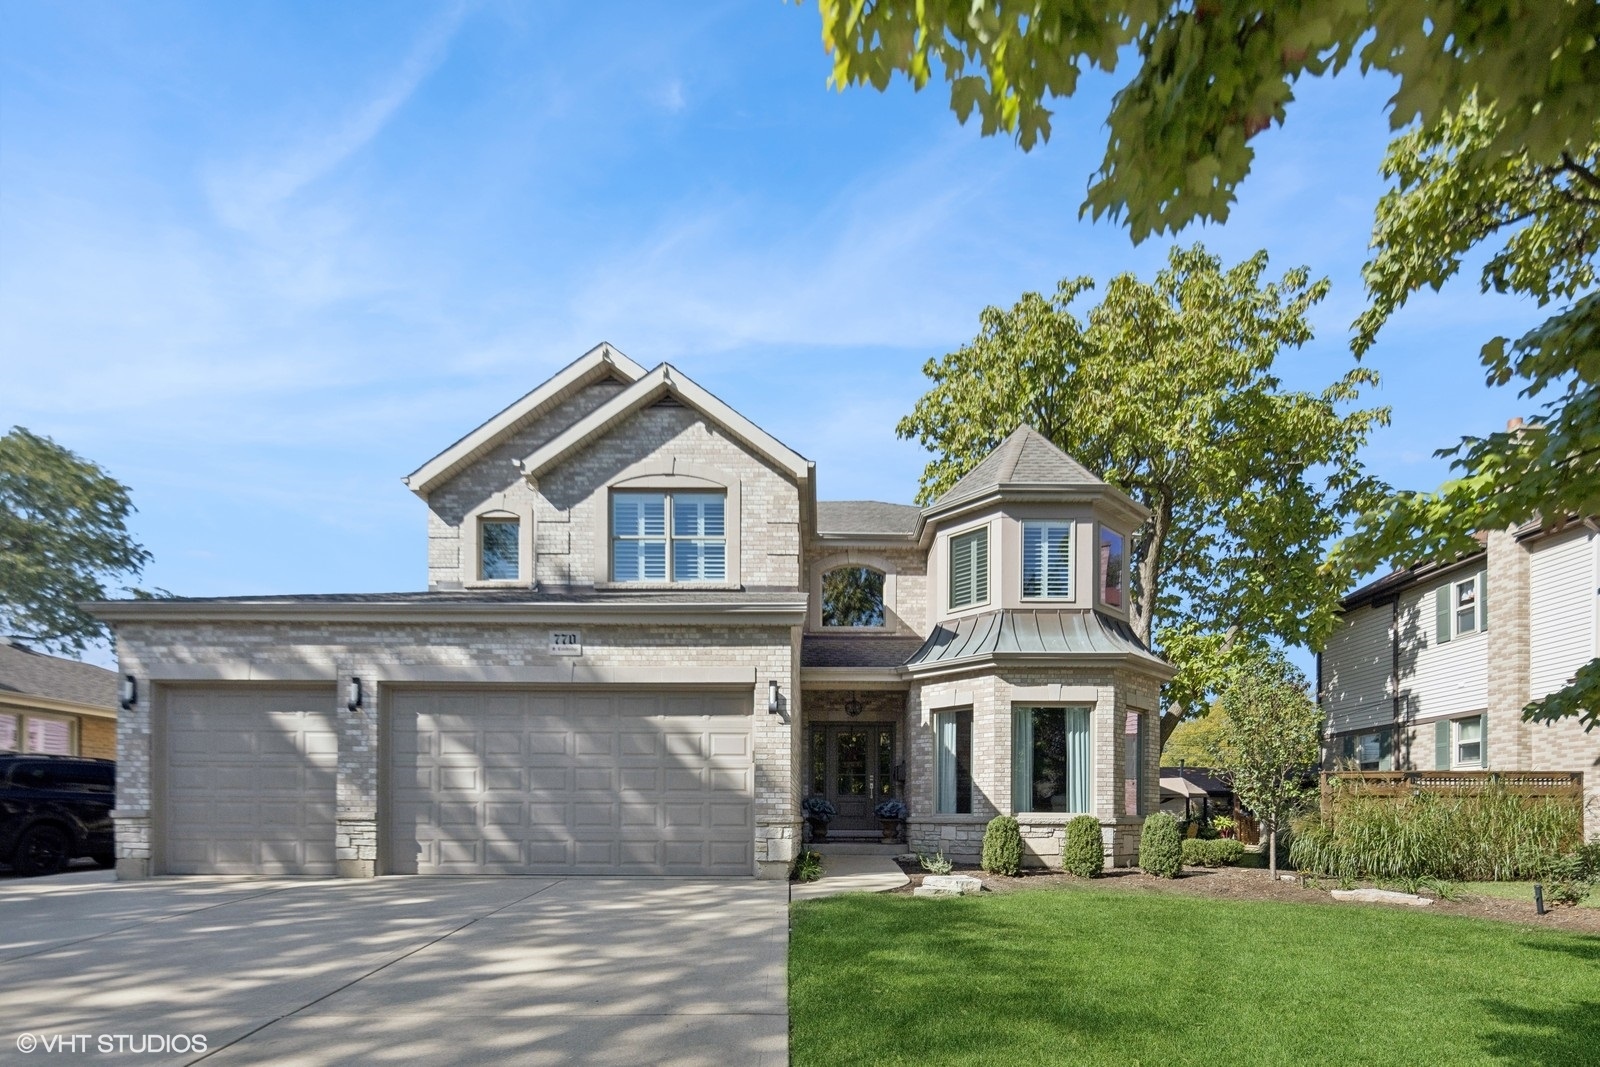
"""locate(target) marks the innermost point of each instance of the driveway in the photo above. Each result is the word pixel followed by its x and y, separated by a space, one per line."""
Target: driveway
pixel 393 970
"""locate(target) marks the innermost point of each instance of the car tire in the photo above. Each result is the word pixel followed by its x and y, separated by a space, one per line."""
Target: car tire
pixel 104 859
pixel 43 849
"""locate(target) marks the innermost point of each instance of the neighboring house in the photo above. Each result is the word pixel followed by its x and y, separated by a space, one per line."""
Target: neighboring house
pixel 623 663
pixel 56 706
pixel 1433 664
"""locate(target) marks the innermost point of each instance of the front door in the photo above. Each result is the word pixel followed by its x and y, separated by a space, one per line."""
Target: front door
pixel 857 770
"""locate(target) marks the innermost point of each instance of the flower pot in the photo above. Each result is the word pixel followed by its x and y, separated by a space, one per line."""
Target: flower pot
pixel 891 830
pixel 819 829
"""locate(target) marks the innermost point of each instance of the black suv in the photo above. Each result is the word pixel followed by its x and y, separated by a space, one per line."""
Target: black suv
pixel 54 809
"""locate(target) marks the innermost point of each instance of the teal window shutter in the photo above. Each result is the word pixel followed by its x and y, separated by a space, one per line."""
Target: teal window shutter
pixel 1441 745
pixel 1483 602
pixel 1442 612
pixel 1021 760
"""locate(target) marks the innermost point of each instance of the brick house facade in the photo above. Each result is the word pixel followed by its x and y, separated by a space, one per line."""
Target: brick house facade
pixel 624 662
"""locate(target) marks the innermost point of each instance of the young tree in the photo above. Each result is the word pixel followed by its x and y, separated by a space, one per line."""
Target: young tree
pixel 1267 739
pixel 63 535
pixel 1167 391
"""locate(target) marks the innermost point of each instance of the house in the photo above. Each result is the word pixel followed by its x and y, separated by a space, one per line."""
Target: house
pixel 634 655
pixel 56 706
pixel 1432 665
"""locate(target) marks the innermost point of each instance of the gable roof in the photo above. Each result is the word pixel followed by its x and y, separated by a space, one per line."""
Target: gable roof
pixel 1027 457
pixel 872 518
pixel 666 380
pixel 31 673
pixel 600 363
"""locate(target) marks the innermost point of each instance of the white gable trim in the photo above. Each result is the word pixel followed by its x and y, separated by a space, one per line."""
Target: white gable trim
pixel 599 363
pixel 667 380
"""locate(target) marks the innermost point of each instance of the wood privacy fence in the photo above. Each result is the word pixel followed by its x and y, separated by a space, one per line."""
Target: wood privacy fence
pixel 1340 784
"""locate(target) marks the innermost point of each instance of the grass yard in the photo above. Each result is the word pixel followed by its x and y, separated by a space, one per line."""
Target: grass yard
pixel 1095 976
pixel 1516 891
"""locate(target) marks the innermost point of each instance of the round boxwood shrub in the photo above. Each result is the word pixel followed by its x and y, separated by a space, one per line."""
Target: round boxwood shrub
pixel 1222 852
pixel 1083 852
pixel 1002 846
pixel 1160 847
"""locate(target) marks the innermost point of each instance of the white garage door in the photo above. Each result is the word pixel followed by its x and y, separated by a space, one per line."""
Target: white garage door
pixel 508 782
pixel 248 781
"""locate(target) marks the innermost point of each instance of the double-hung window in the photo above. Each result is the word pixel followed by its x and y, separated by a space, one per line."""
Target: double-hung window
pixel 969 569
pixel 43 734
pixel 1046 560
pixel 1051 767
pixel 660 537
pixel 1469 742
pixel 1461 608
pixel 953 763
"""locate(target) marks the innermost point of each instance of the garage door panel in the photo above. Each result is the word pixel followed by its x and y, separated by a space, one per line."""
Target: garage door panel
pixel 248 781
pixel 602 782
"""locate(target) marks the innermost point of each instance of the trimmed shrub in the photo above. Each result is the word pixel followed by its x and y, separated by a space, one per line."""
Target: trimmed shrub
pixel 807 867
pixel 1467 835
pixel 1083 851
pixel 1002 846
pixel 1160 847
pixel 1220 852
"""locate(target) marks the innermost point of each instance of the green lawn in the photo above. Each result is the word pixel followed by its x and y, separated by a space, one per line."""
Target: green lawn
pixel 1099 976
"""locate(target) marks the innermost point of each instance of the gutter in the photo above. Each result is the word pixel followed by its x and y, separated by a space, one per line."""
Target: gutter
pixel 773 613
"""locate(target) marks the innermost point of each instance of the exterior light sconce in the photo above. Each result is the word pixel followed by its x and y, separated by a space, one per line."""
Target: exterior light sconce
pixel 852 707
pixel 353 695
pixel 130 691
pixel 772 697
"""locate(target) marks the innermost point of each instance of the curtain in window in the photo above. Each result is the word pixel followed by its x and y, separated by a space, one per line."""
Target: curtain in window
pixel 1021 759
pixel 1081 774
pixel 947 764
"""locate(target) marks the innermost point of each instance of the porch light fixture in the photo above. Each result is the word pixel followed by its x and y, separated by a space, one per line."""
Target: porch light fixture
pixel 130 691
pixel 852 707
pixel 772 697
pixel 353 695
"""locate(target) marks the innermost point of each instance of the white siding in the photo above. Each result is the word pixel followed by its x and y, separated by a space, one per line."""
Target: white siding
pixel 1439 679
pixel 1355 671
pixel 1561 613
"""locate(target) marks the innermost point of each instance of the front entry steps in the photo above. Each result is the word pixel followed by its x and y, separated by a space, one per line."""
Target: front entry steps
pixel 850 874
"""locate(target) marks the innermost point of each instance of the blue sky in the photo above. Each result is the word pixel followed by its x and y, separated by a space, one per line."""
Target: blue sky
pixel 260 260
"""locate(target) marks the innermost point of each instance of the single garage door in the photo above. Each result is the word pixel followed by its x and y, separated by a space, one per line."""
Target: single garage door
pixel 536 782
pixel 248 781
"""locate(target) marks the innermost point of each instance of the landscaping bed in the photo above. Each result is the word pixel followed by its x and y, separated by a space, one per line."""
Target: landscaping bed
pixel 1505 901
pixel 1215 967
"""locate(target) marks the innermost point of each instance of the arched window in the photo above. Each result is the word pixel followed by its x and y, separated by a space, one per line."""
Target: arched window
pixel 852 596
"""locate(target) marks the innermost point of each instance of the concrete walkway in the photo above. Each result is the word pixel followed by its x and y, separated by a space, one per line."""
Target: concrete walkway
pixel 851 874
pixel 395 970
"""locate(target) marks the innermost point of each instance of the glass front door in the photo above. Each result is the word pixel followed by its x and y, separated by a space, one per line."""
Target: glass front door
pixel 852 764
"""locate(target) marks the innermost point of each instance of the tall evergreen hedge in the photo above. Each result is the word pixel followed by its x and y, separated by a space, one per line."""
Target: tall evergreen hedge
pixel 1083 851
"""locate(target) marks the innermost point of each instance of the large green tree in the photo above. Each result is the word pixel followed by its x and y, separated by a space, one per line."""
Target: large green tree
pixel 1167 389
pixel 63 536
pixel 1501 103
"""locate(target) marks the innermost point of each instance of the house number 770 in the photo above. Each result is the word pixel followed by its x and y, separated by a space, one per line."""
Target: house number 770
pixel 566 642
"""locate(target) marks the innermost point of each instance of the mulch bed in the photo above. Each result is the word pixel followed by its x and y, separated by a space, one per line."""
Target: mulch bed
pixel 1238 883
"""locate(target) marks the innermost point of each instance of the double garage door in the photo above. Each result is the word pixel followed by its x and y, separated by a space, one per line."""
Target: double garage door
pixel 474 781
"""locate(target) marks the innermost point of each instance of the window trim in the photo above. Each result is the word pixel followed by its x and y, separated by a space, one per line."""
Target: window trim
pixel 1046 572
pixel 972 536
pixel 1456 741
pixel 1456 609
pixel 669 536
pixel 23 718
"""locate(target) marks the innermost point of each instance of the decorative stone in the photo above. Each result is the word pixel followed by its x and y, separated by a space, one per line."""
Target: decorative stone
pixel 929 891
pixel 960 884
pixel 1381 896
pixel 907 857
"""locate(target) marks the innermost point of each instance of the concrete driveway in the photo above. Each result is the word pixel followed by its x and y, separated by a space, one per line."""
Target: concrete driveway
pixel 393 970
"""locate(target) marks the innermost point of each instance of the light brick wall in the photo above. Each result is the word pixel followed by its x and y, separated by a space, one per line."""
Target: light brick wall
pixel 905 591
pixel 494 476
pixel 1509 741
pixel 368 650
pixel 991 697
pixel 575 494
